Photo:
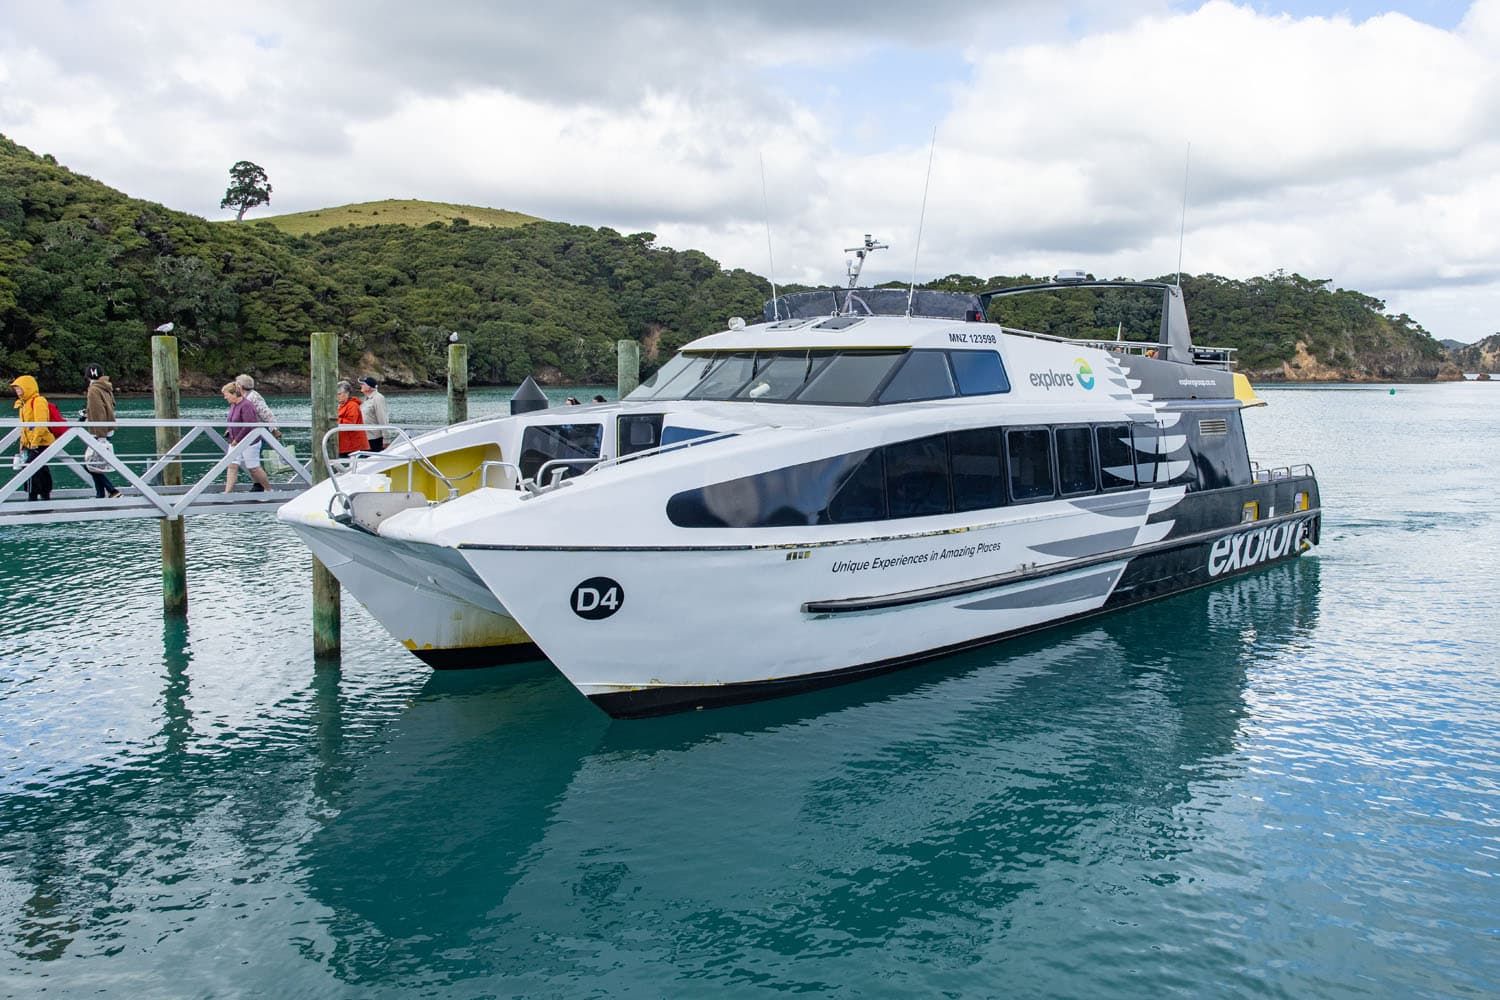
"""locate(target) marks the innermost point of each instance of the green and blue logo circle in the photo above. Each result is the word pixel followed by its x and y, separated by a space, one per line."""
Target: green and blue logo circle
pixel 1085 374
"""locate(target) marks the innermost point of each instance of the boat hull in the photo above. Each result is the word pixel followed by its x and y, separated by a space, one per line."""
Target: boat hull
pixel 424 596
pixel 651 631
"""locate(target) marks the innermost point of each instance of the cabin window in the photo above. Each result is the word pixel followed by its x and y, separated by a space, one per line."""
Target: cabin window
pixel 1030 453
pixel 725 377
pixel 916 477
pixel 1162 457
pixel 658 379
pixel 677 435
pixel 780 375
pixel 861 496
pixel 925 375
pixel 850 378
pixel 1075 461
pixel 544 443
pixel 979 372
pixel 674 379
pixel 1116 456
pixel 638 432
pixel 798 494
pixel 976 462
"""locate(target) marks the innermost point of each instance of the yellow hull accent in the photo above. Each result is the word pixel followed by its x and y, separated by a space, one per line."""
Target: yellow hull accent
pixel 1244 393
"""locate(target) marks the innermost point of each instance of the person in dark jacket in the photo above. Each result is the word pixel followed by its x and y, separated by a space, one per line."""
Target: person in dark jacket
pixel 100 408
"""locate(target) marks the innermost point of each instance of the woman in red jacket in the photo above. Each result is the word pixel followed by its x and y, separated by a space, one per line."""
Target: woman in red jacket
pixel 350 441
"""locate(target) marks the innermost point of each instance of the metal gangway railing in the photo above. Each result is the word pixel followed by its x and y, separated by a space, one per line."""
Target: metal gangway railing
pixel 201 455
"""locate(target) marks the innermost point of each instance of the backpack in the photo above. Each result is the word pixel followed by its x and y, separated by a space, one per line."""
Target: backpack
pixel 60 427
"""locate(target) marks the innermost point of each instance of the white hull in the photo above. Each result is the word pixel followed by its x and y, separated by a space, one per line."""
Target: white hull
pixel 424 596
pixel 710 619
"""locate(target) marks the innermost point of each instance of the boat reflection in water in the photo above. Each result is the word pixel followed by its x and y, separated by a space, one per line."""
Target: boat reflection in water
pixel 506 831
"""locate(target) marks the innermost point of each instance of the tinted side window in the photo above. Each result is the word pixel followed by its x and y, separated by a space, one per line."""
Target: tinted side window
pixel 1075 460
pixel 798 494
pixel 916 477
pixel 975 459
pixel 925 375
pixel 861 497
pixel 540 445
pixel 1030 454
pixel 849 378
pixel 1116 456
pixel 979 372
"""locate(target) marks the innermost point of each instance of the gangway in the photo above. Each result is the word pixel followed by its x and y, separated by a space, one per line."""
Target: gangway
pixel 202 452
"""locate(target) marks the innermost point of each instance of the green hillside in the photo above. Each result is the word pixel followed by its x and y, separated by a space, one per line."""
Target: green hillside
pixel 394 212
pixel 87 272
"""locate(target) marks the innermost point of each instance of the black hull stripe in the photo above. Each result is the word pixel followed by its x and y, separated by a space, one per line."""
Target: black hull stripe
pixel 947 590
pixel 648 702
pixel 475 657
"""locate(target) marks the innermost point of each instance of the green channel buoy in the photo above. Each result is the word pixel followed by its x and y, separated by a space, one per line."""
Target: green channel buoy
pixel 1393 391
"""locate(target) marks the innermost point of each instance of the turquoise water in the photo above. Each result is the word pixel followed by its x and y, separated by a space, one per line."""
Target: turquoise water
pixel 1286 785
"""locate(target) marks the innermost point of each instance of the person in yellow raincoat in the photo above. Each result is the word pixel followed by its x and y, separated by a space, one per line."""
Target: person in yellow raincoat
pixel 33 407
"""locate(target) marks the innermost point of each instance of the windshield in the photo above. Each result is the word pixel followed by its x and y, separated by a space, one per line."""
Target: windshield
pixel 827 377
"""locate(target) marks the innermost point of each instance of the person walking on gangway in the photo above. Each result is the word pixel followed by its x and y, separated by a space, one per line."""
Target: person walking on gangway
pixel 373 411
pixel 34 440
pixel 262 408
pixel 100 407
pixel 242 412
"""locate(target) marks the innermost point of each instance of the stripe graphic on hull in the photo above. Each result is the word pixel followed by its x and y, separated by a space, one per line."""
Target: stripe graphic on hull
pixel 1079 588
pixel 1087 545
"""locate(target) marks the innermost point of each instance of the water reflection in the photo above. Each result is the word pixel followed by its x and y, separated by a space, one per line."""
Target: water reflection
pixel 177 656
pixel 505 823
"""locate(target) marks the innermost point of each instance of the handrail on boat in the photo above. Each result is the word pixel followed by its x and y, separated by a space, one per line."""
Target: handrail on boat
pixel 351 462
pixel 1260 475
pixel 1208 357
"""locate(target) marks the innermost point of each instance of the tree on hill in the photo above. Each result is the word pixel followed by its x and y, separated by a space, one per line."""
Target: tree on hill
pixel 248 186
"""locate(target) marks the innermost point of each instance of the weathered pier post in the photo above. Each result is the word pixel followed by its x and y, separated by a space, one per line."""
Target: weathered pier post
pixel 164 387
pixel 627 366
pixel 458 383
pixel 324 353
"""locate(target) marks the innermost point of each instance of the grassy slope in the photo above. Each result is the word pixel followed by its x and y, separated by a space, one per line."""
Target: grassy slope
pixel 392 212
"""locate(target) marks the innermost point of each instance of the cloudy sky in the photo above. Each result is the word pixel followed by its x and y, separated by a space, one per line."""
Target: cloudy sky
pixel 1357 141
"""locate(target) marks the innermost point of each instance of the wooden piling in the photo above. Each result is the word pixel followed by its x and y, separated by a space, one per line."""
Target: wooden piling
pixel 627 366
pixel 164 387
pixel 458 383
pixel 326 618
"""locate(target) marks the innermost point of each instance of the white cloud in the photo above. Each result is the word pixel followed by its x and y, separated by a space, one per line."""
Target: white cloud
pixel 1362 152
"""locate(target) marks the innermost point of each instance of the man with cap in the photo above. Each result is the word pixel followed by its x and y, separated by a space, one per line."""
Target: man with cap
pixel 373 411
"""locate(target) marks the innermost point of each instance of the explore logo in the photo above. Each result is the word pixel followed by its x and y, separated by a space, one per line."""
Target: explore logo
pixel 1066 380
pixel 1258 545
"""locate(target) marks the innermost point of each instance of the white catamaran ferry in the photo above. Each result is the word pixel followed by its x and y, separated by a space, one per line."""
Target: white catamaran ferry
pixel 866 479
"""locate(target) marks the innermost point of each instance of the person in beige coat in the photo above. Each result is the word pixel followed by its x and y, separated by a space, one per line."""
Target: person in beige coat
pixel 99 409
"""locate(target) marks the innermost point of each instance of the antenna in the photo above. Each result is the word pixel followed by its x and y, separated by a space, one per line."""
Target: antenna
pixel 766 207
pixel 921 219
pixel 1182 230
pixel 857 264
